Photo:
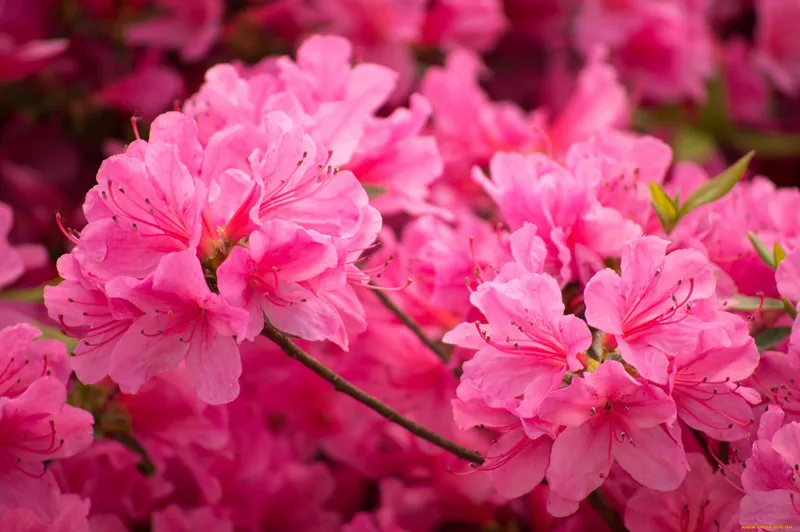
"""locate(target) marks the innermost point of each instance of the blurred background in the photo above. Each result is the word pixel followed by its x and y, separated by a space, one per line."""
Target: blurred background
pixel 713 77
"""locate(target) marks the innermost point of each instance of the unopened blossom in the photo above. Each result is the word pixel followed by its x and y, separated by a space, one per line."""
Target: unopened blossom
pixel 611 417
pixel 36 424
pixel 705 501
pixel 652 309
pixel 770 478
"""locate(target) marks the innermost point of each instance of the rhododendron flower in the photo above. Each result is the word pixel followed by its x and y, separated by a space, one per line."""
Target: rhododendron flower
pixel 579 232
pixel 191 28
pixel 35 423
pixel 776 43
pixel 528 342
pixel 663 48
pixel 611 417
pixel 653 309
pixel 705 384
pixel 705 501
pixel 178 317
pixel 15 260
pixel 771 476
pixel 71 516
pixel 520 451
pixel 270 278
pixel 176 519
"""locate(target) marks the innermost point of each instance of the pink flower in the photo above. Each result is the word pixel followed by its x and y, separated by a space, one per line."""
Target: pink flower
pixel 270 278
pixel 611 417
pixel 471 24
pixel 178 318
pixel 175 519
pixel 147 203
pixel 83 310
pixel 705 501
pixel 598 103
pixel 777 44
pixel 770 478
pixel 520 450
pixel 705 384
pixel 528 342
pixel 14 260
pixel 190 28
pixel 747 90
pixel 393 155
pixel 665 48
pixel 622 166
pixel 650 309
pixel 149 90
pixel 35 423
pixel 20 60
pixel 71 516
pixel 579 232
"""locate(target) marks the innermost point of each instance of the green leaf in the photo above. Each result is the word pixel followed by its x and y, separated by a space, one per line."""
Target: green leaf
pixel 749 303
pixel 373 191
pixel 778 254
pixel 665 207
pixel 769 338
pixel 716 188
pixel 762 250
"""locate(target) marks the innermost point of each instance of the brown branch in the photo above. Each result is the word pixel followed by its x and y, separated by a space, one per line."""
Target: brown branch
pixel 340 384
pixel 413 326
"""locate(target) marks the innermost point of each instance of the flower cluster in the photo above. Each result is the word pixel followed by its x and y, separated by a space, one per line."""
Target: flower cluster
pixel 366 286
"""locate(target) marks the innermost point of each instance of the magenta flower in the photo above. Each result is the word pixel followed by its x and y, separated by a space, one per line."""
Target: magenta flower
pixel 705 501
pixel 706 384
pixel 270 278
pixel 776 43
pixel 179 319
pixel 190 28
pixel 771 478
pixel 611 417
pixel 579 232
pixel 35 423
pixel 650 309
pixel 15 260
pixel 146 204
pixel 527 343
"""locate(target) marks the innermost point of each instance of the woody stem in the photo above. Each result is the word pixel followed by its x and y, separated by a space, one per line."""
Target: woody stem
pixel 413 326
pixel 342 385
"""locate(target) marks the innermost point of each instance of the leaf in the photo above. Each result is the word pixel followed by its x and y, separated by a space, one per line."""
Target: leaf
pixel 769 338
pixel 749 303
pixel 762 250
pixel 665 207
pixel 28 295
pixel 374 191
pixel 716 188
pixel 778 254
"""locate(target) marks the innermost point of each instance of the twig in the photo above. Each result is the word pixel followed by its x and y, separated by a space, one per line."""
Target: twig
pixel 609 515
pixel 412 325
pixel 340 384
